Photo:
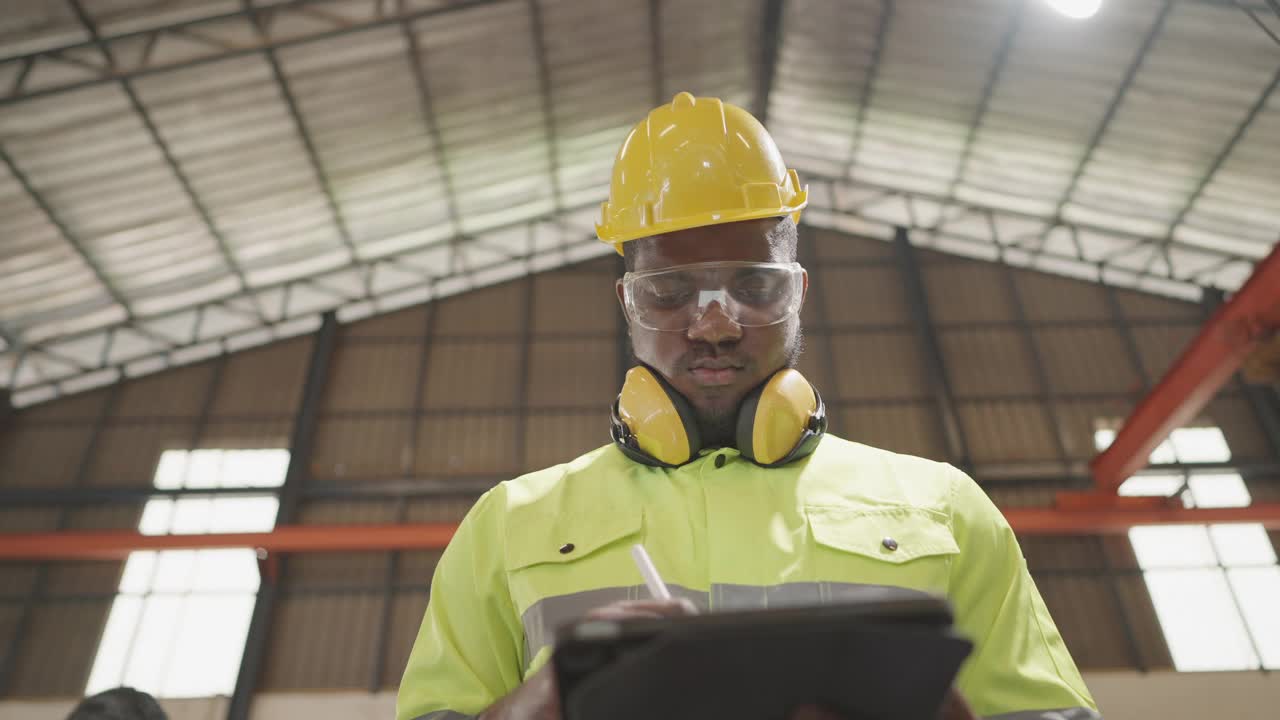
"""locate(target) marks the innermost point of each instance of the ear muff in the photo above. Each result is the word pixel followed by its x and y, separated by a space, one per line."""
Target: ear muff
pixel 781 420
pixel 652 423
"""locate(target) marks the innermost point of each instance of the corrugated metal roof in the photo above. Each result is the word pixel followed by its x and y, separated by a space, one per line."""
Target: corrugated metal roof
pixel 185 177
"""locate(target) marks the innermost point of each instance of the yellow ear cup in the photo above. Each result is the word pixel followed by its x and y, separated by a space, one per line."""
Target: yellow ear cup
pixel 782 414
pixel 657 417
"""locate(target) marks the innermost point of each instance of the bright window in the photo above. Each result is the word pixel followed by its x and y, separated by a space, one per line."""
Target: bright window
pixel 1214 587
pixel 178 624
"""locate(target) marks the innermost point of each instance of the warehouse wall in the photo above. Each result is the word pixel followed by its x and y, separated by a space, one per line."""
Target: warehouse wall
pixel 423 408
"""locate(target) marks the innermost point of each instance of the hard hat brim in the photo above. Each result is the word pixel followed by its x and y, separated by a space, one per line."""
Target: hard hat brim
pixel 696 221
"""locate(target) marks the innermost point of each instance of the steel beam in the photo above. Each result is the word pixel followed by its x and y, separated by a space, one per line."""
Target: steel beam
pixel 36 596
pixel 892 207
pixel 290 539
pixel 256 17
pixel 401 509
pixel 1114 105
pixel 1203 368
pixel 1049 401
pixel 224 248
pixel 1038 475
pixel 301 444
pixel 1266 408
pixel 54 356
pixel 927 332
pixel 1050 521
pixel 77 245
pixel 543 65
pixel 192 28
pixel 998 66
pixel 117 544
pixel 771 33
pixel 63 54
pixel 887 209
pixel 372 487
pixel 1262 400
pixel 524 370
pixel 1262 5
pixel 1120 322
pixel 388 590
pixel 1254 111
pixel 1252 115
pixel 206 217
pixel 10 337
pixel 868 83
pixel 371 264
pixel 1253 15
pixel 1046 397
pixel 417 59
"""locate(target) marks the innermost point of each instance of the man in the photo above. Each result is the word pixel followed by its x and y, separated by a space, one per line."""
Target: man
pixel 719 465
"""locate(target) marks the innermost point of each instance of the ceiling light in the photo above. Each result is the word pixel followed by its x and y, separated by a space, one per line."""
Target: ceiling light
pixel 1077 9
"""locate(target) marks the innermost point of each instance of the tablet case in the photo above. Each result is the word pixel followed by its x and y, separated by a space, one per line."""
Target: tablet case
pixel 864 661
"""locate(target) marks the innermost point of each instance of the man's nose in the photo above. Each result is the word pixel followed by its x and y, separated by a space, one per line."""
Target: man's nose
pixel 715 326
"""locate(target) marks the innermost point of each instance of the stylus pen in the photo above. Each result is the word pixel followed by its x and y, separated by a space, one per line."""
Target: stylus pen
pixel 657 588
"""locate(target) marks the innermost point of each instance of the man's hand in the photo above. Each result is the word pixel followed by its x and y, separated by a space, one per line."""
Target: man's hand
pixel 539 697
pixel 955 707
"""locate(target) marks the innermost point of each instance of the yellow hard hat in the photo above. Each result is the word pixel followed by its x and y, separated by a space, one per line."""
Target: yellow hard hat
pixel 696 162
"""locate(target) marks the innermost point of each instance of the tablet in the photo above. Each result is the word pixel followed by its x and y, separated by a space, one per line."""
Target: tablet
pixel 893 655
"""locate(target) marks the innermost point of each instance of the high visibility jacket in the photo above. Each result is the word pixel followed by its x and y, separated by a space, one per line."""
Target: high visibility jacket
pixel 545 548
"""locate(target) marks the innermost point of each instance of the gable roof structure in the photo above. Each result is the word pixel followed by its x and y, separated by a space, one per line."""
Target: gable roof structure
pixel 181 178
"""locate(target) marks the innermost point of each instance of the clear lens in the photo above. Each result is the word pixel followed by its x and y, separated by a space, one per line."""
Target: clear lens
pixel 750 294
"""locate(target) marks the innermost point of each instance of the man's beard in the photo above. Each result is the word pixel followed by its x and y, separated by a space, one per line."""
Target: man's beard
pixel 718 426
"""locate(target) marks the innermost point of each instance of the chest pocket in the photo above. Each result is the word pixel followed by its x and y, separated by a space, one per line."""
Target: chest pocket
pixel 563 562
pixel 898 546
pixel 561 567
pixel 560 540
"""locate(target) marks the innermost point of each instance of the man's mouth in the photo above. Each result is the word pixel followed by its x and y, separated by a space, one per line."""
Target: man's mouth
pixel 715 372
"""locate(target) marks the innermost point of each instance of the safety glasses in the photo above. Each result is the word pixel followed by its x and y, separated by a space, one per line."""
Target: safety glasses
pixel 751 294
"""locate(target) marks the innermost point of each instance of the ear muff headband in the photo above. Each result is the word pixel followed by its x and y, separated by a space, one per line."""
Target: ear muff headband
pixel 780 421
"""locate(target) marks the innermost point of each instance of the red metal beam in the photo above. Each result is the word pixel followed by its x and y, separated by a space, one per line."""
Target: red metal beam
pixel 117 544
pixel 1199 373
pixel 1102 521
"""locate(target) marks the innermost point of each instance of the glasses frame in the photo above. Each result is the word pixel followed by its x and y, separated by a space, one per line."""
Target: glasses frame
pixel 628 280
